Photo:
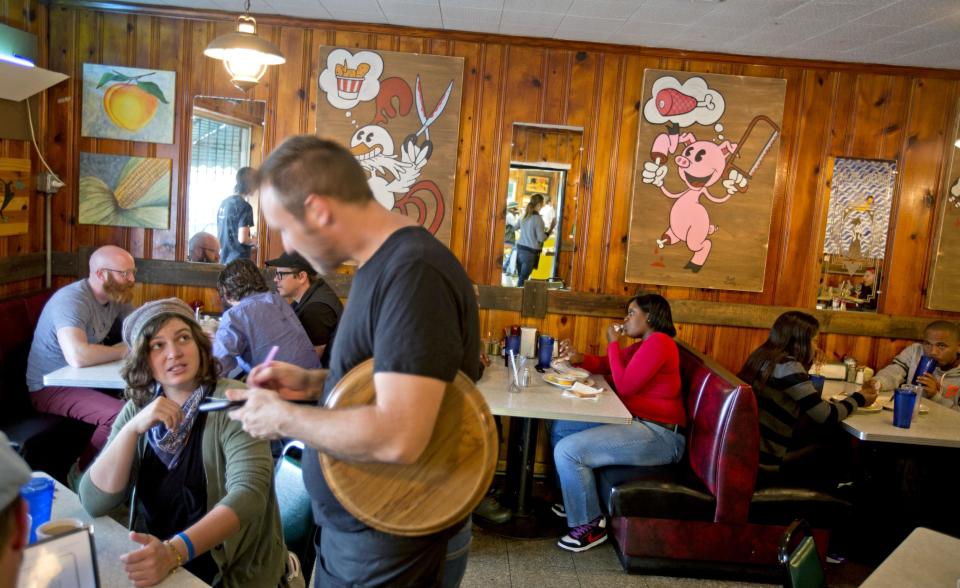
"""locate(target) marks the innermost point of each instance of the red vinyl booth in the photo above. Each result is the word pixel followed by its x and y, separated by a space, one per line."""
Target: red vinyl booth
pixel 702 516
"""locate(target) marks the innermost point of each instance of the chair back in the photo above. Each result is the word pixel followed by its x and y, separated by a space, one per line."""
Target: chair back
pixel 723 436
pixel 801 565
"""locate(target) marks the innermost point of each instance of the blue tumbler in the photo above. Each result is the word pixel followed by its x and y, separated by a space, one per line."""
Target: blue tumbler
pixel 926 366
pixel 903 401
pixel 545 352
pixel 513 343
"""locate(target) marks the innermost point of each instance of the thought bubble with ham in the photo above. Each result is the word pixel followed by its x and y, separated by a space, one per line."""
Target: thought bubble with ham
pixel 685 104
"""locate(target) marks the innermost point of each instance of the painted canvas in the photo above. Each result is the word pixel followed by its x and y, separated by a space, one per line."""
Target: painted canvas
pixel 15 205
pixel 123 191
pixel 943 287
pixel 399 113
pixel 128 103
pixel 707 149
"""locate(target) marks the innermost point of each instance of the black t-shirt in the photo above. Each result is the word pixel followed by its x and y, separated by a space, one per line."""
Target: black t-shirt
pixel 413 310
pixel 319 311
pixel 173 500
pixel 234 212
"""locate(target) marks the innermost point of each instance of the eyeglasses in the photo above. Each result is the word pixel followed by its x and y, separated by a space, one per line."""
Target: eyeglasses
pixel 280 275
pixel 125 274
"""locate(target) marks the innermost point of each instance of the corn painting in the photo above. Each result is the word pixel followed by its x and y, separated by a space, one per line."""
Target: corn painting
pixel 128 103
pixel 14 196
pixel 124 191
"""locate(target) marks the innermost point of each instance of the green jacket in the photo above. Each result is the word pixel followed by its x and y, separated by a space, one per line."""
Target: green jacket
pixel 239 472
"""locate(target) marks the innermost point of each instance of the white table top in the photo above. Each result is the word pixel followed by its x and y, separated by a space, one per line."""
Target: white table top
pixel 112 540
pixel 940 427
pixel 542 401
pixel 925 559
pixel 105 375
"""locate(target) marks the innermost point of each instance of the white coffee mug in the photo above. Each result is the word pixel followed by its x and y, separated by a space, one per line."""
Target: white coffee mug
pixel 56 527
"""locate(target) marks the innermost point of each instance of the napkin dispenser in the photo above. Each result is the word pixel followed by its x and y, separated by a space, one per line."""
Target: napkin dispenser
pixel 830 371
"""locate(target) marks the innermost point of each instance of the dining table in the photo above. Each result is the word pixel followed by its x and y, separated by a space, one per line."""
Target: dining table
pixel 925 559
pixel 935 425
pixel 111 540
pixel 537 401
pixel 105 375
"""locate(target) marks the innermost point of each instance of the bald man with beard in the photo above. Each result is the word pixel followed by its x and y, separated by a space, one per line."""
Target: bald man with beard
pixel 71 331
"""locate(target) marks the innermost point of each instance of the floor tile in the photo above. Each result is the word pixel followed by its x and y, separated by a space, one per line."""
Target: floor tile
pixel 538 577
pixel 486 575
pixel 538 554
pixel 609 579
pixel 600 558
pixel 488 548
pixel 671 582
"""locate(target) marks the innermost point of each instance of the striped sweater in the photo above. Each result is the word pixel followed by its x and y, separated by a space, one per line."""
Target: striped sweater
pixel 783 400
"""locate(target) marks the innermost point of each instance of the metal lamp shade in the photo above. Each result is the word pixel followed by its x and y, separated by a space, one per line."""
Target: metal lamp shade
pixel 246 57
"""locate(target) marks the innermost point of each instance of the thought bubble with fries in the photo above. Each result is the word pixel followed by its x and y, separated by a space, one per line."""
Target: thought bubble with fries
pixel 351 78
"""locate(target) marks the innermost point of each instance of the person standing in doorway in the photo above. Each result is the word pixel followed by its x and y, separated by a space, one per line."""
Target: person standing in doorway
pixel 235 218
pixel 533 233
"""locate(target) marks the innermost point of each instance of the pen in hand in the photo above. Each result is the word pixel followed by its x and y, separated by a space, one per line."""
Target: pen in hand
pixel 271 355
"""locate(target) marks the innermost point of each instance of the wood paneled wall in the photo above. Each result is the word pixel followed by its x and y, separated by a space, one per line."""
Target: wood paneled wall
pixel 831 109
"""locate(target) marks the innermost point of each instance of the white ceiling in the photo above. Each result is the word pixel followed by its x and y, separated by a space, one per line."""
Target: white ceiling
pixel 899 32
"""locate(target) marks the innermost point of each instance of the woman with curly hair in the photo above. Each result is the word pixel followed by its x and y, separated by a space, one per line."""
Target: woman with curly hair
pixel 204 488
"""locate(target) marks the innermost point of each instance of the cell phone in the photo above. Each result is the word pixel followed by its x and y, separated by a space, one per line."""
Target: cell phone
pixel 220 404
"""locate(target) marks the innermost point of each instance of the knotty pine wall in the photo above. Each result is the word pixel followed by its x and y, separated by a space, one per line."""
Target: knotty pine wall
pixel 831 110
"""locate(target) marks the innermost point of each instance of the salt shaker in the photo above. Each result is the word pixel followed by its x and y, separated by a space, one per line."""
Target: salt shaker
pixel 851 366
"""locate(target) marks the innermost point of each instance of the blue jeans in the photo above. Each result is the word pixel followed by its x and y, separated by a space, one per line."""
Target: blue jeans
pixel 526 262
pixel 458 550
pixel 639 444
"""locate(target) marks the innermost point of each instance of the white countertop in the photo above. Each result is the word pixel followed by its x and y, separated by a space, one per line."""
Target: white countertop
pixel 112 540
pixel 925 559
pixel 543 401
pixel 105 375
pixel 940 427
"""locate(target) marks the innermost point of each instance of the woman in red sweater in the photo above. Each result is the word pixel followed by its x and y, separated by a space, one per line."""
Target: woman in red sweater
pixel 646 376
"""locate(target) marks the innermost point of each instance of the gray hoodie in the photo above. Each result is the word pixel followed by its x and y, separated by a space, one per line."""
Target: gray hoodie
pixel 905 363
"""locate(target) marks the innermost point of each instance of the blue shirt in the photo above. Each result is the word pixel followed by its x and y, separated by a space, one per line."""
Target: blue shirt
pixel 257 323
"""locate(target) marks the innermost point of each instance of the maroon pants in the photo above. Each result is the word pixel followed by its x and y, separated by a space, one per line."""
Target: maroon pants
pixel 83 404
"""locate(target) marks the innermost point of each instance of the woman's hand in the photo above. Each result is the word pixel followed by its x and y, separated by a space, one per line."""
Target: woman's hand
pixel 151 563
pixel 568 353
pixel 613 332
pixel 289 381
pixel 161 410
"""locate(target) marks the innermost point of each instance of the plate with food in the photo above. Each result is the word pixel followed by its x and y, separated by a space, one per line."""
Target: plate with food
pixel 558 380
pixel 888 405
pixel 877 406
pixel 563 368
pixel 581 390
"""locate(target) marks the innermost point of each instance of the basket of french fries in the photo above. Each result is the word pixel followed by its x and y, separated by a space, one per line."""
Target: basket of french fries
pixel 349 80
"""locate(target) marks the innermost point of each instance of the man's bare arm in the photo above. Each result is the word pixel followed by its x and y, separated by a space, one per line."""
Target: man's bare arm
pixel 80 353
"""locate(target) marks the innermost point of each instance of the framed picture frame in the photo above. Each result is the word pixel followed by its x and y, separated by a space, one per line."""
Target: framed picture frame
pixel 537 185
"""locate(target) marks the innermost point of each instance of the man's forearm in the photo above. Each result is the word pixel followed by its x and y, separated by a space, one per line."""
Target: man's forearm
pixel 352 434
pixel 94 354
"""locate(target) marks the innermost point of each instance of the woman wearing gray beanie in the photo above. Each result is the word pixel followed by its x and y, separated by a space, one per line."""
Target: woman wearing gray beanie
pixel 204 489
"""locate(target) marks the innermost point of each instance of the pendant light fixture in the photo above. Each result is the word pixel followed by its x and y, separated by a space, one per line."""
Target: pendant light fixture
pixel 244 54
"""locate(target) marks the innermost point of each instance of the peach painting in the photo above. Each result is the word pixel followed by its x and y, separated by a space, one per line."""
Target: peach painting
pixel 128 103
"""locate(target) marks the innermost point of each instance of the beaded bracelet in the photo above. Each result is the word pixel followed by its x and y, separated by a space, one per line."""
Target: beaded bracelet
pixel 176 552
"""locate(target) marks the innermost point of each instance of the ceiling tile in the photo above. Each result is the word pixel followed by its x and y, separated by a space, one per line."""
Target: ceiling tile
pixel 820 10
pixel 307 9
pixel 671 11
pixel 911 13
pixel 352 5
pixel 538 19
pixel 585 24
pixel 456 24
pixel 525 29
pixel 633 34
pixel 603 8
pixel 404 9
pixel 848 37
pixel 353 16
pixel 406 19
pixel 481 15
pixel 555 6
pixel 484 4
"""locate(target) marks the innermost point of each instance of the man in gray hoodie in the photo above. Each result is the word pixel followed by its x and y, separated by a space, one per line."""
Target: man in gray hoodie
pixel 941 341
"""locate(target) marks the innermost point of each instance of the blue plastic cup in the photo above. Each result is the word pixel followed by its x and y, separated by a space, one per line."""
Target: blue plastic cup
pixel 513 343
pixel 817 382
pixel 903 401
pixel 545 352
pixel 926 366
pixel 38 493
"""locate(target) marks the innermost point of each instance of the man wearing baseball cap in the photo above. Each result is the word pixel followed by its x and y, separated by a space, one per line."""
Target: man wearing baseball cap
pixel 14 473
pixel 313 300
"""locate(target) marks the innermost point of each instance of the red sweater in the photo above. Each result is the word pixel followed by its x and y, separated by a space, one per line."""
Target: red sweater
pixel 646 376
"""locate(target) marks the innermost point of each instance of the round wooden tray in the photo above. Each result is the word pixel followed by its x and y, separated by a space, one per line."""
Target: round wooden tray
pixel 442 487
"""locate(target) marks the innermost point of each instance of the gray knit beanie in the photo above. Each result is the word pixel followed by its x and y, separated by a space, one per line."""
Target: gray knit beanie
pixel 135 322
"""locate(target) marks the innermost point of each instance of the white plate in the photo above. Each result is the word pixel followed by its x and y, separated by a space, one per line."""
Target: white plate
pixel 555 380
pixel 888 405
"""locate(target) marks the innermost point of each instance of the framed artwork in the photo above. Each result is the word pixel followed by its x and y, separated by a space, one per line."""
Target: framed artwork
pixel 538 185
pixel 707 149
pixel 399 113
pixel 15 201
pixel 122 191
pixel 943 285
pixel 128 103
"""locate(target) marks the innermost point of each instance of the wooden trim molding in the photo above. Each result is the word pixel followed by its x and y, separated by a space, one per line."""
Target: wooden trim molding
pixel 725 314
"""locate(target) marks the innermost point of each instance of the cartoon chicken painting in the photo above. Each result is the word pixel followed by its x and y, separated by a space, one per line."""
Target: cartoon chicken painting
pixel 391 175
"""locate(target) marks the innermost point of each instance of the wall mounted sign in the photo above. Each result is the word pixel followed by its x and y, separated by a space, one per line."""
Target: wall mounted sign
pixel 707 149
pixel 400 115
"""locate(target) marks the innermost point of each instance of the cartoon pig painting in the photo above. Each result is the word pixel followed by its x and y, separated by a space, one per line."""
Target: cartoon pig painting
pixel 700 165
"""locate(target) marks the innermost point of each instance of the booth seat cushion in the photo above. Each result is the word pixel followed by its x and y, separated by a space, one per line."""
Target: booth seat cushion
pixel 671 492
pixel 777 505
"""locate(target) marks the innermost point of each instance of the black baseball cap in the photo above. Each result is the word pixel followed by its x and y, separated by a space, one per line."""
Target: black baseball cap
pixel 293 261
